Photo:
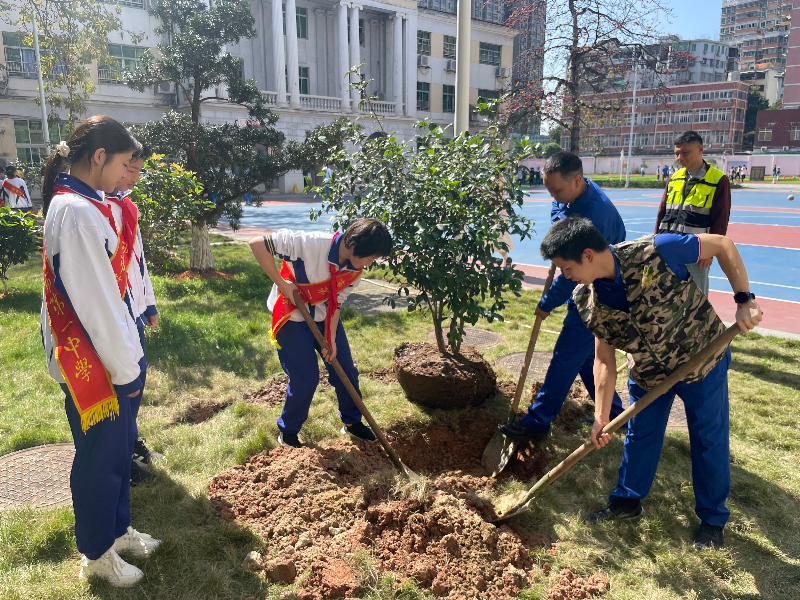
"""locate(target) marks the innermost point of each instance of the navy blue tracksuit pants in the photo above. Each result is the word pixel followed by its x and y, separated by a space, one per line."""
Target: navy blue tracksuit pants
pixel 706 404
pixel 298 356
pixel 136 402
pixel 101 476
pixel 573 355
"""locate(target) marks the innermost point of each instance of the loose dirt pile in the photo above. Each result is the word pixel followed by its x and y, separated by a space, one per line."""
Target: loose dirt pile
pixel 203 275
pixel 274 391
pixel 200 411
pixel 381 374
pixel 570 587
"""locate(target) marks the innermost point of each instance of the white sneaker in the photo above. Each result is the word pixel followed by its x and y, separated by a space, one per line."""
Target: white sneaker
pixel 111 568
pixel 136 543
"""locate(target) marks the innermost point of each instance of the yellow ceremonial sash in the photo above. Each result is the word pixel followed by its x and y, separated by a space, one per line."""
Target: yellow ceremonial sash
pixel 88 381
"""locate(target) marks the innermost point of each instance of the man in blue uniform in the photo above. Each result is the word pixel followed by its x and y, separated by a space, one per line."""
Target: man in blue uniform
pixel 573 195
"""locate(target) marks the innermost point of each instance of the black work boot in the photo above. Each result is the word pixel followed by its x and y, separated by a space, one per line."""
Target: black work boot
pixel 708 537
pixel 140 474
pixel 289 439
pixel 360 431
pixel 618 508
pixel 519 432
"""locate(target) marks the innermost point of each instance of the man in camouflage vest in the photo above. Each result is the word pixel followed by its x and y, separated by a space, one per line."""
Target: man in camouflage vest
pixel 638 296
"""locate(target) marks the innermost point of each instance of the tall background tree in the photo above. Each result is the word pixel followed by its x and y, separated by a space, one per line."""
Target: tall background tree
pixel 756 101
pixel 72 36
pixel 229 160
pixel 587 49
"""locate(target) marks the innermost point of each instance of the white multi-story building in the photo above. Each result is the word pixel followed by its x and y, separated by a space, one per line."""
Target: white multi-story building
pixel 408 50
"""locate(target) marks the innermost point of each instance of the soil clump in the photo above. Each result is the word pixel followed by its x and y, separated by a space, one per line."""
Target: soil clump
pixel 571 587
pixel 439 380
pixel 200 411
pixel 385 376
pixel 274 391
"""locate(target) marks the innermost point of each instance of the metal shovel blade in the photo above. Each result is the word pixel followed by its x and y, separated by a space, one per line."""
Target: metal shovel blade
pixel 498 452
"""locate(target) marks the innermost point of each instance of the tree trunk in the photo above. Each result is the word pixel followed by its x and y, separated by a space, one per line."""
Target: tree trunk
pixel 201 258
pixel 5 285
pixel 436 313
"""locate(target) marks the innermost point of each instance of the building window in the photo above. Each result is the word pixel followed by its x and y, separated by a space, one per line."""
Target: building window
pixel 684 116
pixel 703 115
pixel 489 54
pixel 664 138
pixel 130 3
pixel 647 118
pixel 735 137
pixel 123 58
pixel 448 98
pixel 738 114
pixel 450 46
pixel 664 117
pixel 304 80
pixel 424 42
pixel 694 47
pixel 20 58
pixel 765 134
pixel 794 135
pixel 29 138
pixel 301 21
pixel 489 94
pixel 722 114
pixel 489 10
pixel 423 96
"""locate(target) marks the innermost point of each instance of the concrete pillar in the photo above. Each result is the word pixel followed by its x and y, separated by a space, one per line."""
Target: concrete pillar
pixel 397 62
pixel 292 65
pixel 411 64
pixel 343 54
pixel 278 55
pixel 321 23
pixel 355 52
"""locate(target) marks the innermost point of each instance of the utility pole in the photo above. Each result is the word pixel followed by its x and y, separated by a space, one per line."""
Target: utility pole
pixel 464 10
pixel 45 127
pixel 633 117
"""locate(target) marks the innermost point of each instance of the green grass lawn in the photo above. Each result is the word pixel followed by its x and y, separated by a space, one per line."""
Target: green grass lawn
pixel 212 344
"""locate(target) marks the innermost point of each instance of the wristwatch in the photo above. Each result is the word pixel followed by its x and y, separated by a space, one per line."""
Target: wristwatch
pixel 743 297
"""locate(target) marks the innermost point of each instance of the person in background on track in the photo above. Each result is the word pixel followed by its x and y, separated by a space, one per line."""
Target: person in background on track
pixel 14 192
pixel 90 340
pixel 697 200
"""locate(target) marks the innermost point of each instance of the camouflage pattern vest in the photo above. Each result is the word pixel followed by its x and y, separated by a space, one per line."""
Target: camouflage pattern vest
pixel 668 322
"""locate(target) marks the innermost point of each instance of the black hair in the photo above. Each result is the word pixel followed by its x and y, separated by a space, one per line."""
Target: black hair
pixel 11 171
pixel 145 151
pixel 568 238
pixel 91 135
pixel 566 163
pixel 687 137
pixel 368 237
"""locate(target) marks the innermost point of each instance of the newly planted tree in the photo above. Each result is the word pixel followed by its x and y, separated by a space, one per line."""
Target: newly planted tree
pixel 231 159
pixel 448 206
pixel 18 240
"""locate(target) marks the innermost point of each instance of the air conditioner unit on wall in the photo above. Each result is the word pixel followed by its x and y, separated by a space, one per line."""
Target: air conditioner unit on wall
pixel 786 148
pixel 450 65
pixel 763 148
pixel 423 60
pixel 165 87
pixel 502 72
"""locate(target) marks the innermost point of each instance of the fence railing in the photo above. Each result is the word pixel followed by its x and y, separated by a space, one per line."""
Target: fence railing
pixel 324 103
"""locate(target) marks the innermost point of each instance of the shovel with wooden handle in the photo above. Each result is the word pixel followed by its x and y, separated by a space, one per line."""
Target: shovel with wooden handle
pixel 404 470
pixel 512 505
pixel 500 448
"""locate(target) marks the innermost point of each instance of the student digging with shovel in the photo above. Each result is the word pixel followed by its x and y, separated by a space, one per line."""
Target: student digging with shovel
pixel 639 297
pixel 324 270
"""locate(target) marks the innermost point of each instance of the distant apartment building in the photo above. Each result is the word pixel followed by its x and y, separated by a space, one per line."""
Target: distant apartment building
pixel 715 110
pixel 759 29
pixel 767 81
pixel 408 47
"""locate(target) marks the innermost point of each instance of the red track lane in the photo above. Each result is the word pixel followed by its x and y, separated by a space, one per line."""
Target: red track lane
pixel 777 236
pixel 778 314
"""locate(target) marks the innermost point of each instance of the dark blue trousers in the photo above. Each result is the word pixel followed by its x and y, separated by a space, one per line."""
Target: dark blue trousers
pixel 101 477
pixel 572 356
pixel 136 402
pixel 298 356
pixel 706 405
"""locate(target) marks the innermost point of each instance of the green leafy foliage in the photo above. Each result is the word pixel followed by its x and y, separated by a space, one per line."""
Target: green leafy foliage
pixel 19 238
pixel 230 159
pixel 448 206
pixel 169 198
pixel 313 153
pixel 549 149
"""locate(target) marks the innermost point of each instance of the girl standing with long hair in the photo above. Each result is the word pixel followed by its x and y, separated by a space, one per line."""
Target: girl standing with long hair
pixel 91 340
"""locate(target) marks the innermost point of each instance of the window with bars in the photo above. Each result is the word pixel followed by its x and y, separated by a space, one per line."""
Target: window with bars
pixel 123 58
pixel 423 96
pixel 489 54
pixel 424 42
pixel 450 46
pixel 448 98
pixel 20 58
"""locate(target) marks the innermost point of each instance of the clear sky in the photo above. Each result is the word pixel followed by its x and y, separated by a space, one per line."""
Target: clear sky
pixel 694 18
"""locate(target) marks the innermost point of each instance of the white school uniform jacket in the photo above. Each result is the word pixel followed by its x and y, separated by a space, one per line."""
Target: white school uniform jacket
pixel 79 241
pixel 143 299
pixel 309 255
pixel 10 199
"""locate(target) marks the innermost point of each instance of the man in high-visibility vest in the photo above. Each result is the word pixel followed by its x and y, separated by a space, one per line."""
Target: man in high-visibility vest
pixel 697 200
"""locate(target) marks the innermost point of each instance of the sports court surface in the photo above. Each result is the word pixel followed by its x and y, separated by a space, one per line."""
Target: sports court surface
pixel 765 226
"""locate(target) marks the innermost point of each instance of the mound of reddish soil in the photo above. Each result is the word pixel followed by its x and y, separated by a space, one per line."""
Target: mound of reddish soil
pixel 443 380
pixel 570 586
pixel 203 275
pixel 274 391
